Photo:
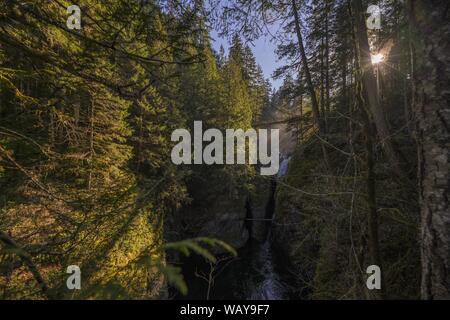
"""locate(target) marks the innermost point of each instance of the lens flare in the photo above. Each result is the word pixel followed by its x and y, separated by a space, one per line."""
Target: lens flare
pixel 377 58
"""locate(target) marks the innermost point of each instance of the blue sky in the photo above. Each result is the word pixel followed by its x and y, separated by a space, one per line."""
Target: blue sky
pixel 264 51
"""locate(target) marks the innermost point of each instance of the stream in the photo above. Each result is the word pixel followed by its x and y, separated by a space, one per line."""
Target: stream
pixel 258 273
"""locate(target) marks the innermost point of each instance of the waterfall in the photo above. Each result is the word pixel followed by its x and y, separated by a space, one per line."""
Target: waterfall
pixel 283 167
pixel 270 285
pixel 257 273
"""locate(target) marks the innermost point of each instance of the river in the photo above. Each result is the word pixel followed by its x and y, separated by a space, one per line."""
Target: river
pixel 258 273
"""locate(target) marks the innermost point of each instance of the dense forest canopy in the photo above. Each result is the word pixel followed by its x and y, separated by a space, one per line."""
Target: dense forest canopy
pixel 88 105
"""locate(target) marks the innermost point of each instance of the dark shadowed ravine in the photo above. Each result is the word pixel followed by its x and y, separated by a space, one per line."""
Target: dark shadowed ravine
pixel 258 273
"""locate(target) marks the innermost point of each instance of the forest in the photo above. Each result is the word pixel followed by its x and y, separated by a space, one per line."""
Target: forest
pixel 92 206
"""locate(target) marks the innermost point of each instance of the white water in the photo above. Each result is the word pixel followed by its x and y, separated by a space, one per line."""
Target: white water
pixel 254 275
pixel 270 287
pixel 283 167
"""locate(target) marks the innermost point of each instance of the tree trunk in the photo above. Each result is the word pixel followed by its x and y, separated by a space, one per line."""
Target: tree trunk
pixel 300 140
pixel 369 132
pixel 11 244
pixel 322 80
pixel 315 105
pixel 91 142
pixel 370 86
pixel 344 81
pixel 372 221
pixel 431 21
pixel 327 59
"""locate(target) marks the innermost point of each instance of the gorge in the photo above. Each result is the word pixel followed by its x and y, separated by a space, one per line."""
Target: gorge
pixel 258 272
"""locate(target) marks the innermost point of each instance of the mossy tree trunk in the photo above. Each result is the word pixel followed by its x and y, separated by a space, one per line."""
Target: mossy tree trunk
pixel 431 22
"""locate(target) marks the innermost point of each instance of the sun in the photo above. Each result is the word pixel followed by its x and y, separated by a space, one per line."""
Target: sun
pixel 377 58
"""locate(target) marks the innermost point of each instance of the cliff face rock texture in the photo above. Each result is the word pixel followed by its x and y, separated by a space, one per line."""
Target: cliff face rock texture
pixel 223 219
pixel 226 222
pixel 231 217
pixel 260 207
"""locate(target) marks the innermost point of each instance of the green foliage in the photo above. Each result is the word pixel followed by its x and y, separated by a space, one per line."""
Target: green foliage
pixel 173 274
pixel 186 246
pixel 85 125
